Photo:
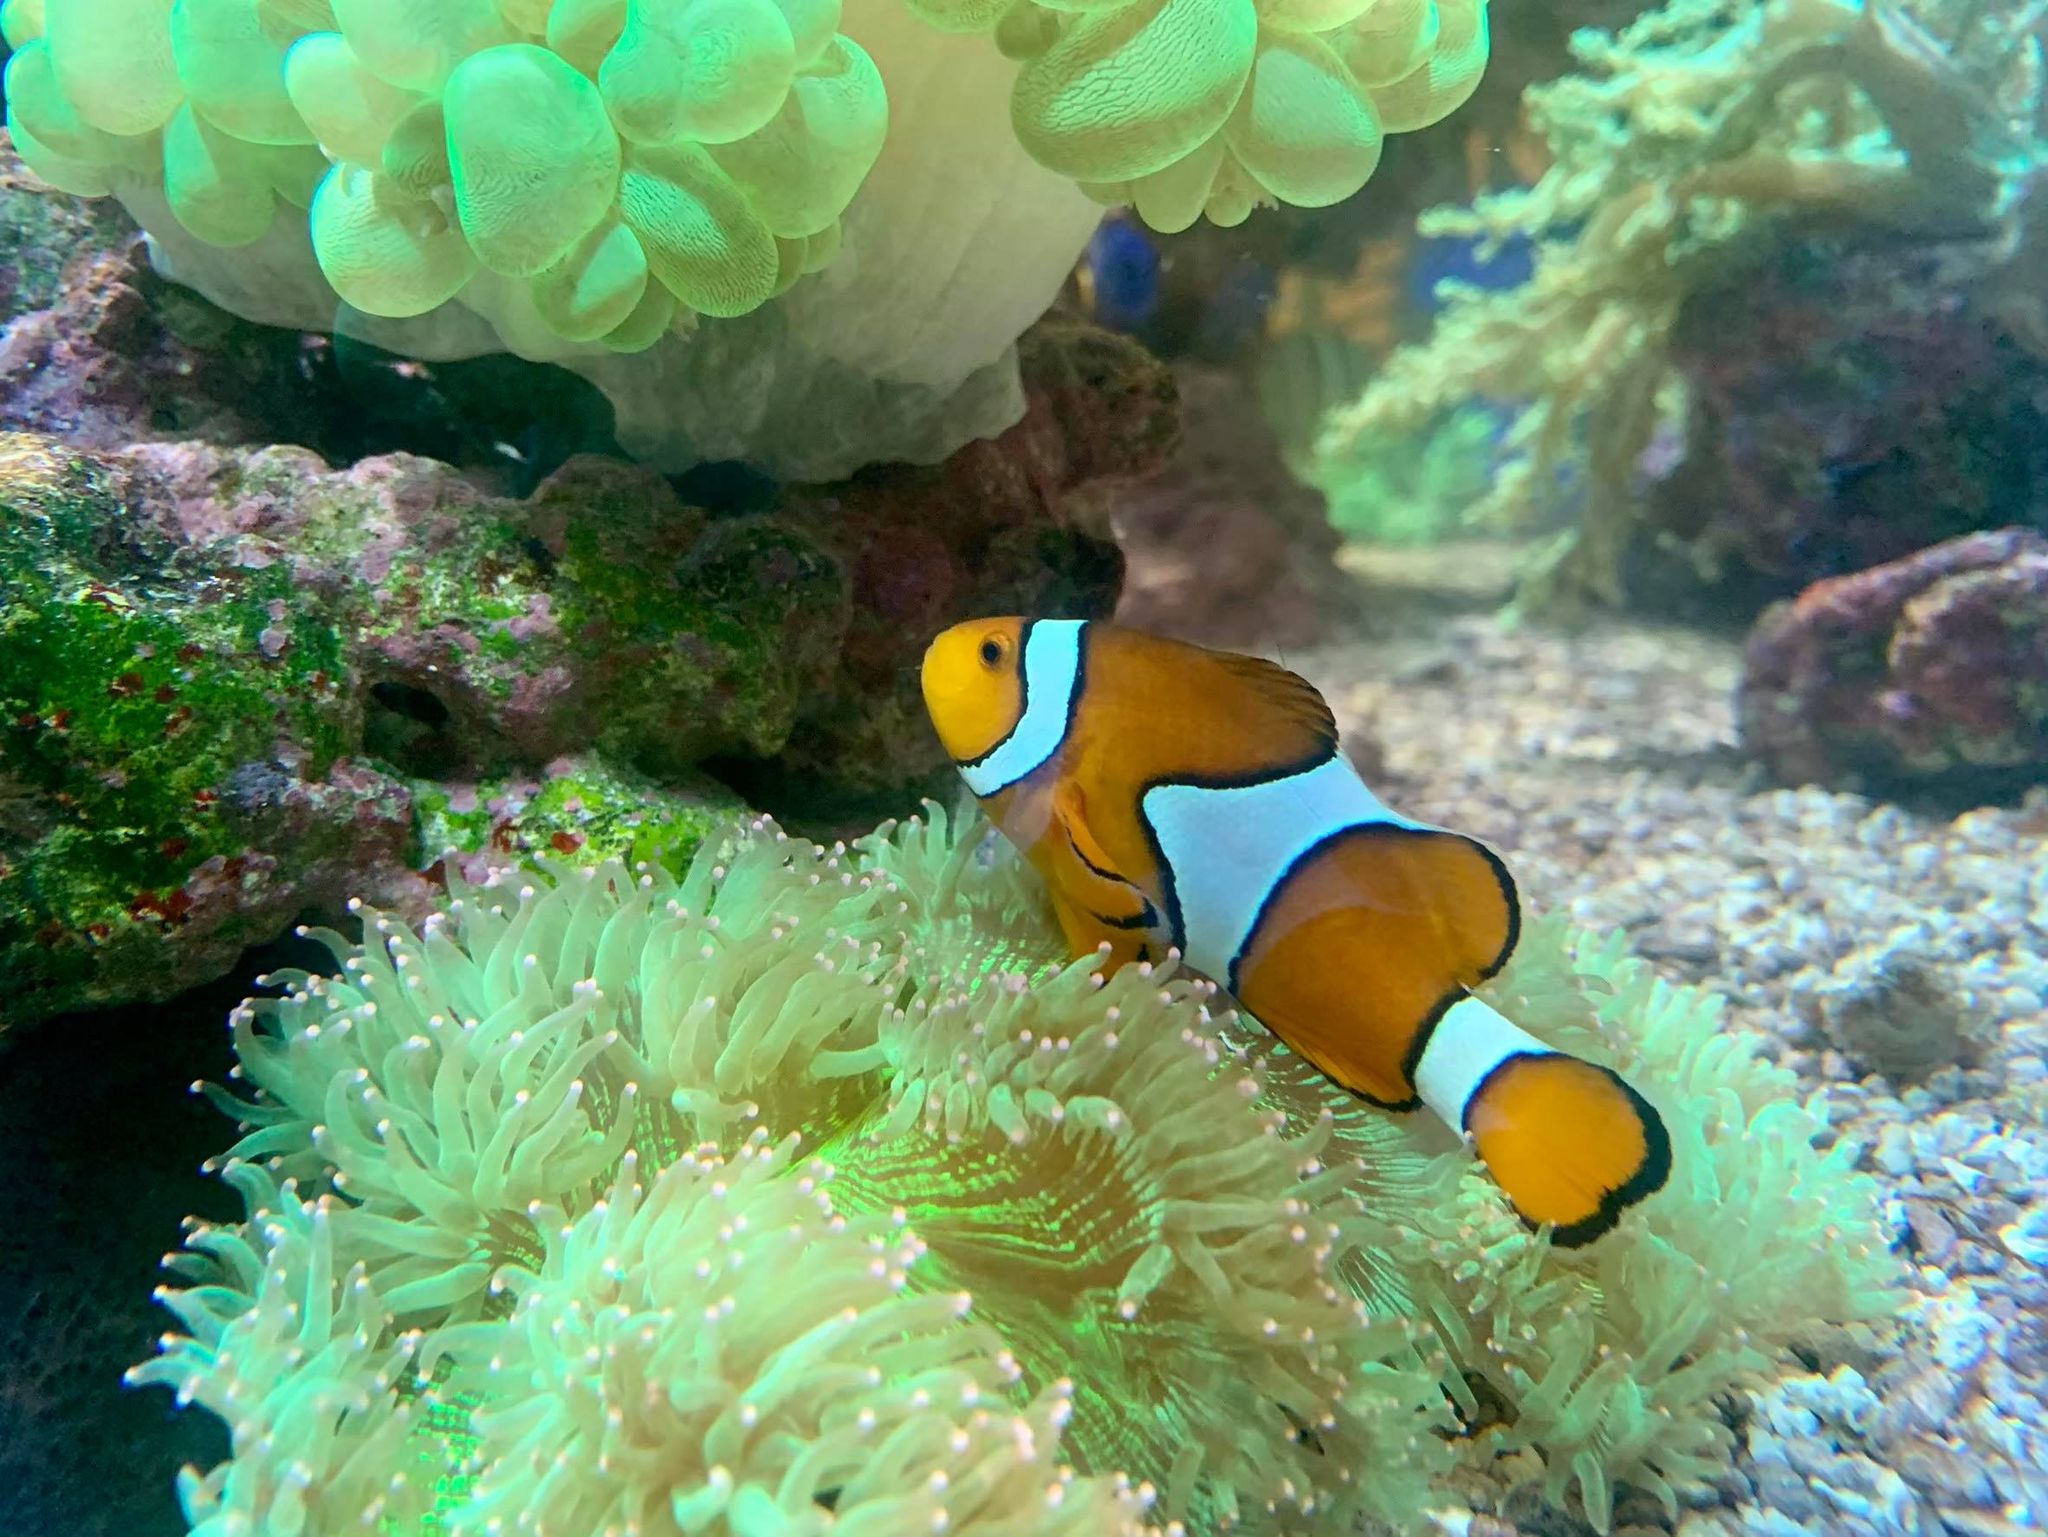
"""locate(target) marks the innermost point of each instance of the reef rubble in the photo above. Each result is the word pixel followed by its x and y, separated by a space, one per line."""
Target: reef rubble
pixel 1928 673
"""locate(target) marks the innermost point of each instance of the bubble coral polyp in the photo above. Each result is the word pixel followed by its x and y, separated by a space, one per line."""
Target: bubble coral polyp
pixel 585 178
pixel 1193 107
pixel 617 160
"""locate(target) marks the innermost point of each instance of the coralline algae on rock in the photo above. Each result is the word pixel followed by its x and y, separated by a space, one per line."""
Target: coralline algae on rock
pixel 236 686
pixel 1928 670
pixel 1225 545
pixel 155 762
pixel 39 233
pixel 1845 408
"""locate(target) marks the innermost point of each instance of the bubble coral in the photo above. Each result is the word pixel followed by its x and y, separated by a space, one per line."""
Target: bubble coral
pixel 814 1189
pixel 584 179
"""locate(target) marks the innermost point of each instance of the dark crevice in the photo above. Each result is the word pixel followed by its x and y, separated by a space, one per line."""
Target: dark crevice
pixel 413 730
pixel 414 704
pixel 102 1140
pixel 726 489
pixel 807 806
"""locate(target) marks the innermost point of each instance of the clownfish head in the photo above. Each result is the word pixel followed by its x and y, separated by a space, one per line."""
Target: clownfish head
pixel 973 679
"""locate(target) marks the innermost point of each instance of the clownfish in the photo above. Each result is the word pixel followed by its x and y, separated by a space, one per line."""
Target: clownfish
pixel 1174 796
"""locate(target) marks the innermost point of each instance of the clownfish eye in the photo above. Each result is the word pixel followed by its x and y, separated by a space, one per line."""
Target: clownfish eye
pixel 992 649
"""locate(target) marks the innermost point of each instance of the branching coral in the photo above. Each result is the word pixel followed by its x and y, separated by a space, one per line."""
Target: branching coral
pixel 577 179
pixel 1701 129
pixel 1412 489
pixel 815 1182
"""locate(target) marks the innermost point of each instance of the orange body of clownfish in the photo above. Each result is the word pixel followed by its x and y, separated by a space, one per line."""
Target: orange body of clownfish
pixel 1174 796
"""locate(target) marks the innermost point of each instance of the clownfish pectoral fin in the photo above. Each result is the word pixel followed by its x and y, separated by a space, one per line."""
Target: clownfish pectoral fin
pixel 1070 812
pixel 1567 1140
pixel 1095 903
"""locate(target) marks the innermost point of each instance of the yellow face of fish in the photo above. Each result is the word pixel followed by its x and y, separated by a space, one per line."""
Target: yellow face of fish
pixel 974 685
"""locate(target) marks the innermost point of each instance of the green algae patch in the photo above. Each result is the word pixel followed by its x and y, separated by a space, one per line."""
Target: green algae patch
pixel 577 812
pixel 739 628
pixel 133 690
pixel 601 615
pixel 238 688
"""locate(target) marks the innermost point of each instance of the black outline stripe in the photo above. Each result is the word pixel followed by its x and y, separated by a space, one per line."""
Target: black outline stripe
pixel 1023 702
pixel 1145 920
pixel 1108 875
pixel 1418 1043
pixel 1418 1046
pixel 1146 917
pixel 1083 639
pixel 1647 1180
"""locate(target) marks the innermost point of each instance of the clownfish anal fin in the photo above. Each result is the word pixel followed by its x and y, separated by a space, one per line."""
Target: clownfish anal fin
pixel 1281 704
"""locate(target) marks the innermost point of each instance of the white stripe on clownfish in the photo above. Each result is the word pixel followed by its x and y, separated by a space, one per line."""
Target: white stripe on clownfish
pixel 1225 849
pixel 1465 1048
pixel 1051 678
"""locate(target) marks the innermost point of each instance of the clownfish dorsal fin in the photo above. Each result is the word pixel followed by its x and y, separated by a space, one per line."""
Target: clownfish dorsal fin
pixel 1278 702
pixel 1162 711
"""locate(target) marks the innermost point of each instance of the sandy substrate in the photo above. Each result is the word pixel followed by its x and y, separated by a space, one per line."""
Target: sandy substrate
pixel 1897 957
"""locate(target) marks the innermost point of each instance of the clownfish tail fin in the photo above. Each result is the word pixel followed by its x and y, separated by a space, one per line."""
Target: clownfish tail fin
pixel 1568 1141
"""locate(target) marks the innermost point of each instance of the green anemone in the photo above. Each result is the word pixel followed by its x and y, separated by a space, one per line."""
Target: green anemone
pixel 814 1188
